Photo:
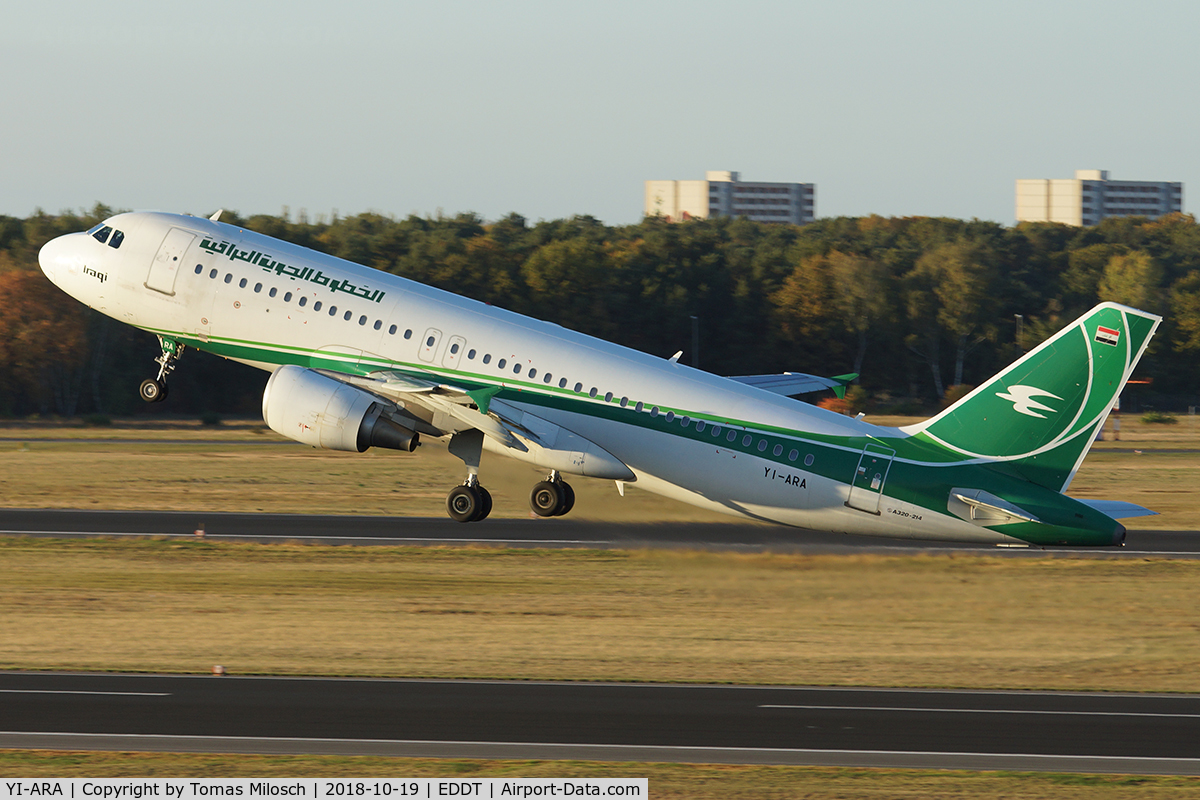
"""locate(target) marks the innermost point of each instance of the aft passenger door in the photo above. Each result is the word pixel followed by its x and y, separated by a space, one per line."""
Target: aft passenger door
pixel 866 488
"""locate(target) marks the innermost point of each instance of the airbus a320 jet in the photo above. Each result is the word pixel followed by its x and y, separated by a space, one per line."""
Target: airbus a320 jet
pixel 361 358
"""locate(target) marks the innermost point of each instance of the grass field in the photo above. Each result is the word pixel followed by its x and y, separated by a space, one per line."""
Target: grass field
pixel 667 781
pixel 242 466
pixel 291 609
pixel 973 622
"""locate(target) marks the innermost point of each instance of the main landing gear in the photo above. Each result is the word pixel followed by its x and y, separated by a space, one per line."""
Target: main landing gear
pixel 154 390
pixel 552 497
pixel 470 502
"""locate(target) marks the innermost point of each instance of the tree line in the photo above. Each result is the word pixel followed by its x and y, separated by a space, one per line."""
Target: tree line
pixel 917 305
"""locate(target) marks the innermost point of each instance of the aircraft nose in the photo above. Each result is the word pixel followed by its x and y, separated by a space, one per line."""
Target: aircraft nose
pixel 58 258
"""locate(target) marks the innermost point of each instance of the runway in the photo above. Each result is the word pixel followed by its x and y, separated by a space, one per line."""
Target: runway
pixel 538 532
pixel 1157 734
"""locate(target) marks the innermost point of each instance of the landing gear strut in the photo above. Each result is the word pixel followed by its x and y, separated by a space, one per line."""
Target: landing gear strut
pixel 552 497
pixel 469 502
pixel 154 390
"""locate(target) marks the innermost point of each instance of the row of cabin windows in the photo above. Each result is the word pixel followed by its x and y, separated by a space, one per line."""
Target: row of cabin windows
pixel 731 434
pixel 302 302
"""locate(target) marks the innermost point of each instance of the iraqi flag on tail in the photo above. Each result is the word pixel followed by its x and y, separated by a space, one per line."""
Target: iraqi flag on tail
pixel 1107 335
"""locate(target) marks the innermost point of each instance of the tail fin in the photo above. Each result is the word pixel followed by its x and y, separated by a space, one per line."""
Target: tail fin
pixel 1040 415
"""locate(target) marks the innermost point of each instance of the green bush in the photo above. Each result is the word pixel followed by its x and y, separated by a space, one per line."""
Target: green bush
pixel 1159 418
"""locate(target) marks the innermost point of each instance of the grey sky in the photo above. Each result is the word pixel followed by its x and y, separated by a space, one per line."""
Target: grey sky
pixel 552 109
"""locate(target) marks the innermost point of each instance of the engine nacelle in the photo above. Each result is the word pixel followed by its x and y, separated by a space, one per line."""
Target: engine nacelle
pixel 324 412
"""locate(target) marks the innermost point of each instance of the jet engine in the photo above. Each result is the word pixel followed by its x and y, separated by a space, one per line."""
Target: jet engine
pixel 317 410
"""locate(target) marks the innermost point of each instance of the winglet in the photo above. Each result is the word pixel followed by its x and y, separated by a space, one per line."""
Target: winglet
pixel 843 382
pixel 483 397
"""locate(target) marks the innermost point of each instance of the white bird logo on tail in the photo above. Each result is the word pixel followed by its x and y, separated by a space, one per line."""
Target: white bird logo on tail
pixel 1021 397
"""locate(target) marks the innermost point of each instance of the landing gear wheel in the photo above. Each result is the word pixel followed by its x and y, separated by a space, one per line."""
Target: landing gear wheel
pixel 568 501
pixel 152 391
pixel 486 505
pixel 464 503
pixel 547 498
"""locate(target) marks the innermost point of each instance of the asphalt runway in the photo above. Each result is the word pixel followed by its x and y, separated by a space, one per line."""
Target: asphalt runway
pixel 537 532
pixel 609 722
pixel 622 722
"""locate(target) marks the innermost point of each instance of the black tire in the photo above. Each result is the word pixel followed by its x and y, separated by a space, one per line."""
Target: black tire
pixel 463 503
pixel 486 505
pixel 546 498
pixel 152 391
pixel 568 499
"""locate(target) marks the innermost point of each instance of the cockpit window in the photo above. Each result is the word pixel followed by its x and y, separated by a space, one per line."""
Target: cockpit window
pixel 116 239
pixel 95 228
pixel 101 235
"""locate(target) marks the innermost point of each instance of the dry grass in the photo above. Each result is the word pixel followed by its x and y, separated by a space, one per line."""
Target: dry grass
pixel 624 616
pixel 698 782
pixel 243 467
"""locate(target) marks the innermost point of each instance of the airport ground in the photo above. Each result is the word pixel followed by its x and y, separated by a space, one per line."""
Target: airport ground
pixel 945 620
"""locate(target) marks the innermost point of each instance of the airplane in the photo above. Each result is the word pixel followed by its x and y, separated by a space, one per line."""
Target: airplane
pixel 361 358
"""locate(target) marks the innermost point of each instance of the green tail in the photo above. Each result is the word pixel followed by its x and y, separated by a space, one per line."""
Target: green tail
pixel 1040 415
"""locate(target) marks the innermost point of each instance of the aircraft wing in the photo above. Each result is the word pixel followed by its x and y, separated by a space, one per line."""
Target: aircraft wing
pixel 445 409
pixel 793 383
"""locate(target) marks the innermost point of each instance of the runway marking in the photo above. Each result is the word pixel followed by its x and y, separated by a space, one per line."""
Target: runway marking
pixel 668 750
pixel 68 691
pixel 211 535
pixel 917 709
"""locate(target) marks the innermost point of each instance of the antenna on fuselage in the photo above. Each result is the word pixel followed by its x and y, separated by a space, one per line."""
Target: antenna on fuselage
pixel 675 358
pixel 217 216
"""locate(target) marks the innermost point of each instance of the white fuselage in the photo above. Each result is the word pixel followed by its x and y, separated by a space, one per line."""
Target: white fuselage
pixel 239 294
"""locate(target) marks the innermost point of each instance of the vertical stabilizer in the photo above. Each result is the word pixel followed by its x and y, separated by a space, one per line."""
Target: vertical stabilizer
pixel 1040 415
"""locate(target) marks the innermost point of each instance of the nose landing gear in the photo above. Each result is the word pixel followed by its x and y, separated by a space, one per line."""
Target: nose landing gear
pixel 154 390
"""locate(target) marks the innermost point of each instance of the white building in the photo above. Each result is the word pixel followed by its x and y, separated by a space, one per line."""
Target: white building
pixel 1091 196
pixel 724 194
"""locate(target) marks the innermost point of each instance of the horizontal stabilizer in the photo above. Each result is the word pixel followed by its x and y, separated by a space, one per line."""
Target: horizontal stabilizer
pixel 793 383
pixel 1118 509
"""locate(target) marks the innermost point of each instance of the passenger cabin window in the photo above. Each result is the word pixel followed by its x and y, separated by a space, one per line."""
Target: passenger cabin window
pixel 392 330
pixel 317 306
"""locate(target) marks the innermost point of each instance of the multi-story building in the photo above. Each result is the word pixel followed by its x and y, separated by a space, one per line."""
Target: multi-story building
pixel 1091 196
pixel 724 194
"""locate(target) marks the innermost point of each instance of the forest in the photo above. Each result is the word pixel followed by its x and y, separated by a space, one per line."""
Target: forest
pixel 920 307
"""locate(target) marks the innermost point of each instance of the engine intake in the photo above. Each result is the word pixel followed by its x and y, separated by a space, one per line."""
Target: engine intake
pixel 316 410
